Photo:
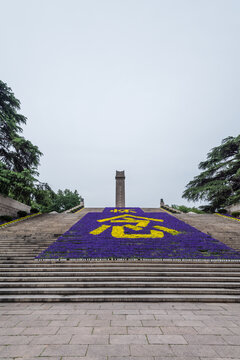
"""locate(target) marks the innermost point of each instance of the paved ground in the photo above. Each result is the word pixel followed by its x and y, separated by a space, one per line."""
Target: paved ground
pixel 118 331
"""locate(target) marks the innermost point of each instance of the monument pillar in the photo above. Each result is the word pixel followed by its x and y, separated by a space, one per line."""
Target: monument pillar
pixel 120 189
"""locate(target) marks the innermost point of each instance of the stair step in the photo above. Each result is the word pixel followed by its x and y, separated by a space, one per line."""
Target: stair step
pixel 116 290
pixel 145 284
pixel 125 267
pixel 119 264
pixel 91 273
pixel 120 298
pixel 154 262
pixel 122 278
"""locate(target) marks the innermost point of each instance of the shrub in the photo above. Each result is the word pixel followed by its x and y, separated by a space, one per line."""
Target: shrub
pixel 78 208
pixel 186 209
pixel 236 213
pixel 183 208
pixel 209 209
pixel 22 213
pixel 34 210
pixel 222 211
pixel 6 218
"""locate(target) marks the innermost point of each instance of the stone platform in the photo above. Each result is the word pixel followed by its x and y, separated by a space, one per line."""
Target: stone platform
pixel 118 331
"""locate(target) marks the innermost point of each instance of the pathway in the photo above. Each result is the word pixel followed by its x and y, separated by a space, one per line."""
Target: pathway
pixel 119 331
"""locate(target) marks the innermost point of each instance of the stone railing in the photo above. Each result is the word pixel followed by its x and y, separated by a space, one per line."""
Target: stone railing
pixel 232 208
pixel 170 209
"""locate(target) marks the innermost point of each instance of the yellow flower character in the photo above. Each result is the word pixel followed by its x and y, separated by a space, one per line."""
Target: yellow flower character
pixel 133 222
pixel 123 211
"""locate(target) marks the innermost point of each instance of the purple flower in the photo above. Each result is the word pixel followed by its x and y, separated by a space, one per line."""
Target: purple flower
pixel 92 237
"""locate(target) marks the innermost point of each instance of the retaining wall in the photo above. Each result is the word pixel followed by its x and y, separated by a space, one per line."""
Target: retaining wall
pixel 235 207
pixel 10 206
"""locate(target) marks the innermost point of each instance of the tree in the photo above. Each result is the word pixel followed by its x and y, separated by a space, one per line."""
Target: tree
pixel 186 209
pixel 43 197
pixel 219 182
pixel 16 153
pixel 18 185
pixel 19 158
pixel 65 200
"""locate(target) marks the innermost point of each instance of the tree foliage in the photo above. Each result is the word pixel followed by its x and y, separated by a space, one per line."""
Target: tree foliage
pixel 186 209
pixel 43 197
pixel 19 160
pixel 65 200
pixel 46 200
pixel 18 185
pixel 219 181
pixel 16 153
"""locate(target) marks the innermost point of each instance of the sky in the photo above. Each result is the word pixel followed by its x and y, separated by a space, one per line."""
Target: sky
pixel 145 86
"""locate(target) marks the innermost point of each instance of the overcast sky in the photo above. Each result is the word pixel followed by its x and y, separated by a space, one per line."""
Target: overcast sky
pixel 145 86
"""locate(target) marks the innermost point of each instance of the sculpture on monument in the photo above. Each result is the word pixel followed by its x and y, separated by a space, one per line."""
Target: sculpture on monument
pixel 120 189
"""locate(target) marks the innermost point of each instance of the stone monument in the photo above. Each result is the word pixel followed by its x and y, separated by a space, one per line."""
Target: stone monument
pixel 120 189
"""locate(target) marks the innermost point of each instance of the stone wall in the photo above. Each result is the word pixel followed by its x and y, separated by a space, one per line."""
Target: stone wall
pixel 10 207
pixel 232 208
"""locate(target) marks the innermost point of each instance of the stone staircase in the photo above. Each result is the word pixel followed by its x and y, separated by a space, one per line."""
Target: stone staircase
pixel 24 279
pixel 219 227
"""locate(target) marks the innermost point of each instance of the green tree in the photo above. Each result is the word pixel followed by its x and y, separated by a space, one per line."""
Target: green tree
pixel 16 153
pixel 65 200
pixel 186 209
pixel 46 200
pixel 18 185
pixel 43 197
pixel 219 182
pixel 19 158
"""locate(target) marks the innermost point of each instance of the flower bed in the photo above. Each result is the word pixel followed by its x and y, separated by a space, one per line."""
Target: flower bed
pixel 132 234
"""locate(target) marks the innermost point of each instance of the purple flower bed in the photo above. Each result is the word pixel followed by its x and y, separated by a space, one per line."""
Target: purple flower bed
pixel 162 236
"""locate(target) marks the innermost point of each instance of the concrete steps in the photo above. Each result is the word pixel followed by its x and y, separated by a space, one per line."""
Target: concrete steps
pixel 117 290
pixel 126 269
pixel 120 298
pixel 121 274
pixel 109 279
pixel 233 264
pixel 221 228
pixel 22 278
pixel 113 284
